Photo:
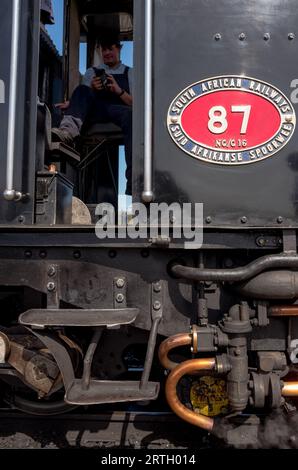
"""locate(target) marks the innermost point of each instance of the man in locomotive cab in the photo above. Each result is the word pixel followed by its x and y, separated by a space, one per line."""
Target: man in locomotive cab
pixel 104 96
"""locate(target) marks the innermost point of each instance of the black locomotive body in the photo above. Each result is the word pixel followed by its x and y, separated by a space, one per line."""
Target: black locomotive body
pixel 89 321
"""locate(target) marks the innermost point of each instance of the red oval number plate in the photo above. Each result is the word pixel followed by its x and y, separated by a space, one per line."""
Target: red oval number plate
pixel 231 120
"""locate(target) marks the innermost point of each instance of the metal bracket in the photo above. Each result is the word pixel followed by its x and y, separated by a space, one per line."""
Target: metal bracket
pixel 290 241
pixel 53 299
pixel 119 292
pixel 156 315
pixel 157 297
pixel 262 311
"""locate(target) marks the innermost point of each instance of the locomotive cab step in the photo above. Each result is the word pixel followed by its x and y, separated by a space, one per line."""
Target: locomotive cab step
pixel 39 318
pixel 105 391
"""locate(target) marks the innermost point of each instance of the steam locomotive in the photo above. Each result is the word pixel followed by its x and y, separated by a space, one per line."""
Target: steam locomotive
pixel 211 326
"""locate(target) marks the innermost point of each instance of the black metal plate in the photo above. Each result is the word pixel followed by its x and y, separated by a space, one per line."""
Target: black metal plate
pixel 185 51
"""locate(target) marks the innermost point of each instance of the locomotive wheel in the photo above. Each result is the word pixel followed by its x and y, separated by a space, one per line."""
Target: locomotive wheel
pixel 41 408
pixel 18 396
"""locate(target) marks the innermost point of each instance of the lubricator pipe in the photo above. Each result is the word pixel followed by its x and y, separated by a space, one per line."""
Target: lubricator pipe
pixel 173 342
pixel 193 366
pixel 280 261
pixel 283 311
pixel 290 389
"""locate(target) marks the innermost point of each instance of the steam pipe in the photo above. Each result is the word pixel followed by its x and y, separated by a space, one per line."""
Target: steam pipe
pixel 278 284
pixel 290 389
pixel 244 273
pixel 181 339
pixel 193 366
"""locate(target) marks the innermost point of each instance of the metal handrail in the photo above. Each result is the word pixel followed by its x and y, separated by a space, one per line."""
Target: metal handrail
pixel 147 194
pixel 11 194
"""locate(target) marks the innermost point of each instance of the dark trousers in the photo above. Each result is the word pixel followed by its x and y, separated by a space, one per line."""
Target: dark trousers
pixel 88 106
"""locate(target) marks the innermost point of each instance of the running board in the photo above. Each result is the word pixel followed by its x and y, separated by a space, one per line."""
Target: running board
pixel 42 318
pixel 104 391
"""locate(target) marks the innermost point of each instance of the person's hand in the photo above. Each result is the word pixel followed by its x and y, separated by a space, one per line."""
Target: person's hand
pixel 62 106
pixel 113 85
pixel 96 84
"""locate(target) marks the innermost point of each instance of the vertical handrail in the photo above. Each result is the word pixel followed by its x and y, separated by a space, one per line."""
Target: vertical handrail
pixel 147 194
pixel 11 194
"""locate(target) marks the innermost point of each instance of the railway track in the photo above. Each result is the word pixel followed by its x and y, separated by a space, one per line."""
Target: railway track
pixel 101 429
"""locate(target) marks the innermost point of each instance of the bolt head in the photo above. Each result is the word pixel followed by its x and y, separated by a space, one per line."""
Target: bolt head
pixel 266 36
pixel 120 283
pixel 51 271
pixel 120 298
pixel 51 286
pixel 217 37
pixel 291 36
pixel 208 219
pixel 157 287
pixel 242 36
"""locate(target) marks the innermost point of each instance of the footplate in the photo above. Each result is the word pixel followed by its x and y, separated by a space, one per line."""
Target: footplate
pixel 102 391
pixel 39 318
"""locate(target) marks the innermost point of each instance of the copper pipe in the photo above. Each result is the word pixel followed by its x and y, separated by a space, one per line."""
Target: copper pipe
pixel 192 366
pixel 284 311
pixel 182 339
pixel 290 389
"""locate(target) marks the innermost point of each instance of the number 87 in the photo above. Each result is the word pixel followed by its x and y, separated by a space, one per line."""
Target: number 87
pixel 222 118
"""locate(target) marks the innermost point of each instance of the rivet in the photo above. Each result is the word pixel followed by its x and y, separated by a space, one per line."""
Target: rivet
pixel 242 36
pixel 217 37
pixel 156 305
pixel 279 219
pixel 21 219
pixel 174 120
pixel 266 37
pixel 28 254
pixel 291 36
pixel 43 254
pixel 208 219
pixel 243 219
pixel 77 254
pixel 144 253
pixel 112 254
